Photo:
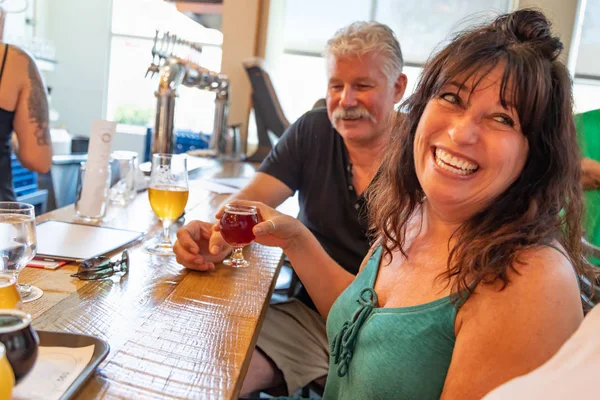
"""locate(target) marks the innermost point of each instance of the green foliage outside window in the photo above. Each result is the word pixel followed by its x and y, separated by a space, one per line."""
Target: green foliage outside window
pixel 134 115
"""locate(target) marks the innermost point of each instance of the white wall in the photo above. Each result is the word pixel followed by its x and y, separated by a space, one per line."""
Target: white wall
pixel 240 35
pixel 80 30
pixel 562 14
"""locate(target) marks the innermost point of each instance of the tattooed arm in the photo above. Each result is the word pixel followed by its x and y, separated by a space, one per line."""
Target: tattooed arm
pixel 31 115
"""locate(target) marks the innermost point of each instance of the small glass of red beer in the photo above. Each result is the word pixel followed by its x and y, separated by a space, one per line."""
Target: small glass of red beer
pixel 236 225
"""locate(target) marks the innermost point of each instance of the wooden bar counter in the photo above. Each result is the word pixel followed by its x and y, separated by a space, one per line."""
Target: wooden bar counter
pixel 173 333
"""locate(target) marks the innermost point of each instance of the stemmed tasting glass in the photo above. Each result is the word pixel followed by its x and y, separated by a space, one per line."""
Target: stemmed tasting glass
pixel 18 244
pixel 168 193
pixel 236 226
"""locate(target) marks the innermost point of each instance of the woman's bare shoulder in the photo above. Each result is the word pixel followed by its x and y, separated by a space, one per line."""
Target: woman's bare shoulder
pixel 539 274
pixel 20 65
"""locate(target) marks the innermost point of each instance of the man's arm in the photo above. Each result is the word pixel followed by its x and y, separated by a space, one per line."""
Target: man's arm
pixel 265 189
pixel 31 117
pixel 590 174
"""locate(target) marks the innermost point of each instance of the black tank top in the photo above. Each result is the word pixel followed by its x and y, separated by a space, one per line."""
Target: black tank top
pixel 6 129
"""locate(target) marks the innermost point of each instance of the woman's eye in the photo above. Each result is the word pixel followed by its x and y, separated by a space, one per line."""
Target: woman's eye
pixel 450 98
pixel 504 119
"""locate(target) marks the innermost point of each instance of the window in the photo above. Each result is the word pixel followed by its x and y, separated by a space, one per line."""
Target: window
pixel 420 26
pixel 131 97
pixel 586 88
pixel 588 56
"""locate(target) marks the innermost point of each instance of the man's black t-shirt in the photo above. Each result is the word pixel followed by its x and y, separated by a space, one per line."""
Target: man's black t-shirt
pixel 311 158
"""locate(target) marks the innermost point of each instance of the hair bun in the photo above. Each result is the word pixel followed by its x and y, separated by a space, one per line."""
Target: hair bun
pixel 531 27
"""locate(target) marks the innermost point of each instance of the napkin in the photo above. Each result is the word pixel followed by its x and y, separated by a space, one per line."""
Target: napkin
pixel 55 369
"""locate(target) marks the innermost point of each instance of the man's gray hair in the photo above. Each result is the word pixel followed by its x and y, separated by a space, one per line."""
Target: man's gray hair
pixel 364 37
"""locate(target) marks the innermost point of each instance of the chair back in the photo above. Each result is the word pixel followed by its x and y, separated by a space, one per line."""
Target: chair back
pixel 267 109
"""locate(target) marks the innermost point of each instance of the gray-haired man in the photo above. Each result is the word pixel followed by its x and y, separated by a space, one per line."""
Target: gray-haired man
pixel 329 156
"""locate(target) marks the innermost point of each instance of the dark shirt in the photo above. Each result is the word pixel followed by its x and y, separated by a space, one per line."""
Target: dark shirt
pixel 6 129
pixel 311 158
pixel 6 184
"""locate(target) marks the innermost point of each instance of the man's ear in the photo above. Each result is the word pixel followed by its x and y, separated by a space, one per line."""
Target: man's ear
pixel 399 88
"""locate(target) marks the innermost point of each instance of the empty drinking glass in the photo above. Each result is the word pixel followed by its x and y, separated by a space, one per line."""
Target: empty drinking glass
pixel 17 240
pixel 90 206
pixel 124 166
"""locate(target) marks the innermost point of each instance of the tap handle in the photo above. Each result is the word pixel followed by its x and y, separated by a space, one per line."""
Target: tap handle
pixel 171 44
pixel 161 49
pixel 154 52
pixel 153 68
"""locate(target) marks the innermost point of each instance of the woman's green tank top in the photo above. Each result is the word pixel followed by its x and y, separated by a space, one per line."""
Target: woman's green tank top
pixel 387 353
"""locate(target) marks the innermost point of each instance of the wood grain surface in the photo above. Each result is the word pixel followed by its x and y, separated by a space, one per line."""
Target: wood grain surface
pixel 173 333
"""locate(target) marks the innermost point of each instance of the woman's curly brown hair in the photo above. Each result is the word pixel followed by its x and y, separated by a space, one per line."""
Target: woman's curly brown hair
pixel 545 202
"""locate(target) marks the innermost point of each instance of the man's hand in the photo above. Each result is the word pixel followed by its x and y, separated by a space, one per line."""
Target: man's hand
pixel 590 174
pixel 199 247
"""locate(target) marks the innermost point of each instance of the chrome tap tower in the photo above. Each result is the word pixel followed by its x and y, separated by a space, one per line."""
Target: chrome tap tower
pixel 173 70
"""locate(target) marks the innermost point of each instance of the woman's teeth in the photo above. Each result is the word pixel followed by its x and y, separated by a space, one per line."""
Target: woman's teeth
pixel 454 164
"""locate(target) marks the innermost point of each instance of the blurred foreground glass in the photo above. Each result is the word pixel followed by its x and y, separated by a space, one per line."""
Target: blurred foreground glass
pixel 168 194
pixel 124 165
pixel 9 295
pixel 92 208
pixel 18 243
pixel 7 377
pixel 236 225
pixel 21 341
pixel 102 267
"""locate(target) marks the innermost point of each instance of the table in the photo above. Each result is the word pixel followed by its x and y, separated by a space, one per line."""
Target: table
pixel 173 333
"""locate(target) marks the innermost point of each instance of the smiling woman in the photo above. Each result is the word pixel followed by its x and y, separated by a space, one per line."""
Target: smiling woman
pixel 479 193
pixel 475 213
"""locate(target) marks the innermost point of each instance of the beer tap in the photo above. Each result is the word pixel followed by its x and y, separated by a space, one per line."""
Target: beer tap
pixel 175 69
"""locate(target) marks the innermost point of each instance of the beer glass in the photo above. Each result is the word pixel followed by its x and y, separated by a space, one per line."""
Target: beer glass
pixel 9 295
pixel 21 341
pixel 17 239
pixel 7 378
pixel 168 193
pixel 236 226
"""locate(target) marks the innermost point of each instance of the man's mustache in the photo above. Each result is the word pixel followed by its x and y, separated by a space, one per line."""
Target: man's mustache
pixel 352 113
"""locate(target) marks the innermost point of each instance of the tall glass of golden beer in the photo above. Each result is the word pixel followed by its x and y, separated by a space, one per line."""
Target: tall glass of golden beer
pixel 168 194
pixel 9 295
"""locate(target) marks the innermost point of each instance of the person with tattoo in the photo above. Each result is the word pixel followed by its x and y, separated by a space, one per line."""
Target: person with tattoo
pixel 24 110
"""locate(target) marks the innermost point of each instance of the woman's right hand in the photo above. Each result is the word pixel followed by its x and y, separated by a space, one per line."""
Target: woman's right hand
pixel 274 229
pixel 199 247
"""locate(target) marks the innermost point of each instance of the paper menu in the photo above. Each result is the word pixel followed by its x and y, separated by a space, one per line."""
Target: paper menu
pixel 54 371
pixel 217 187
pixel 94 191
pixel 238 183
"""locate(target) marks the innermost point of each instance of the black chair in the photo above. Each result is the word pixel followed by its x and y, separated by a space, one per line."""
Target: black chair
pixel 267 110
pixel 590 295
